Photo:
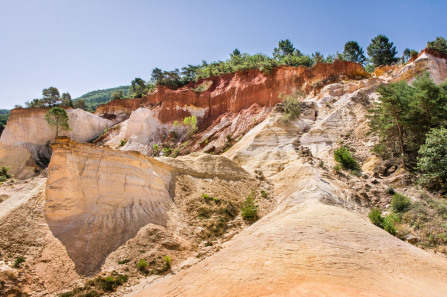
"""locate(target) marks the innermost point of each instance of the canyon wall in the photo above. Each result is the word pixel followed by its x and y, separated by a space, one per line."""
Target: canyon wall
pixel 244 96
pixel 98 198
pixel 233 92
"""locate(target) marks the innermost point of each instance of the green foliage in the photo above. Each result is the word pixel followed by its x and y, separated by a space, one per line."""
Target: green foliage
pixel 264 194
pixel 390 191
pixel 117 95
pixel 400 203
pixel 344 157
pixel 58 119
pixel 353 52
pixel 209 198
pixel 249 210
pixel 375 216
pixel 80 103
pixel 156 148
pixel 142 265
pixel 124 261
pixel 50 98
pixel 4 172
pixel 66 100
pixel 291 106
pixel 166 264
pixel 389 223
pixel 123 142
pixel 204 213
pixel 285 48
pixel 404 114
pixel 440 44
pixel 370 68
pixel 98 286
pixel 191 124
pixel 18 261
pixel 408 54
pixel 4 115
pixel 381 51
pixel 91 100
pixel 432 160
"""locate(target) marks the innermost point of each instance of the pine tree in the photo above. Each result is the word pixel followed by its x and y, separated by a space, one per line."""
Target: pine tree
pixel 353 52
pixel 381 51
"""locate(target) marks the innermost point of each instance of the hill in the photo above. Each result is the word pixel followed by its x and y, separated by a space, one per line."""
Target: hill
pixel 94 98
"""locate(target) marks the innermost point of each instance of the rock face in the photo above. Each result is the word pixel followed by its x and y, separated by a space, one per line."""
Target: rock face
pixel 98 198
pixel 318 240
pixel 244 96
pixel 19 160
pixel 27 129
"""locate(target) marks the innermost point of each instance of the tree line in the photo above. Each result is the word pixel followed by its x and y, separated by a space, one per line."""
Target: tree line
pixel 381 51
pixel 51 97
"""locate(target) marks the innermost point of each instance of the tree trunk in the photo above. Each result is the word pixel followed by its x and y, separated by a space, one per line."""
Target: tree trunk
pixel 401 142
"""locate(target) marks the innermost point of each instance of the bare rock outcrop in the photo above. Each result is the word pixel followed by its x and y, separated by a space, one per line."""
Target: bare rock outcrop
pixel 98 198
pixel 27 130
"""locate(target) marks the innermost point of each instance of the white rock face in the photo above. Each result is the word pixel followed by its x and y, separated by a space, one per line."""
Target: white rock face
pixel 27 129
pixel 142 130
pixel 436 66
pixel 28 126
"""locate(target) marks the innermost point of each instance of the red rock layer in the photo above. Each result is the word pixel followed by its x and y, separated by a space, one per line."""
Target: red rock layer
pixel 233 92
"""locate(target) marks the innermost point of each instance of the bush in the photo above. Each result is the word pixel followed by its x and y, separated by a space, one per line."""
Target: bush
pixel 18 261
pixel 344 157
pixel 124 261
pixel 390 191
pixel 123 142
pixel 249 209
pixel 291 106
pixel 388 225
pixel 264 194
pixel 142 265
pixel 375 216
pixel 439 44
pixel 167 264
pixel 432 160
pixel 400 203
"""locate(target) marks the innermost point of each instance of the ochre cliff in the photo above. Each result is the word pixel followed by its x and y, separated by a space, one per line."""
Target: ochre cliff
pixel 243 96
pixel 236 91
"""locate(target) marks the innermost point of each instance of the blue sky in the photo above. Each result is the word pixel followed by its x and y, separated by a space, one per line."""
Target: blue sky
pixel 79 46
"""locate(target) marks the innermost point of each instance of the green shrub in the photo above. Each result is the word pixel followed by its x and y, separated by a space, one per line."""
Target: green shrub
pixel 344 157
pixel 264 194
pixel 203 213
pixel 291 106
pixel 400 203
pixel 388 225
pixel 18 261
pixel 375 216
pixel 209 198
pixel 142 265
pixel 432 160
pixel 167 264
pixel 123 142
pixel 249 209
pixel 4 172
pixel 124 261
pixel 390 191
